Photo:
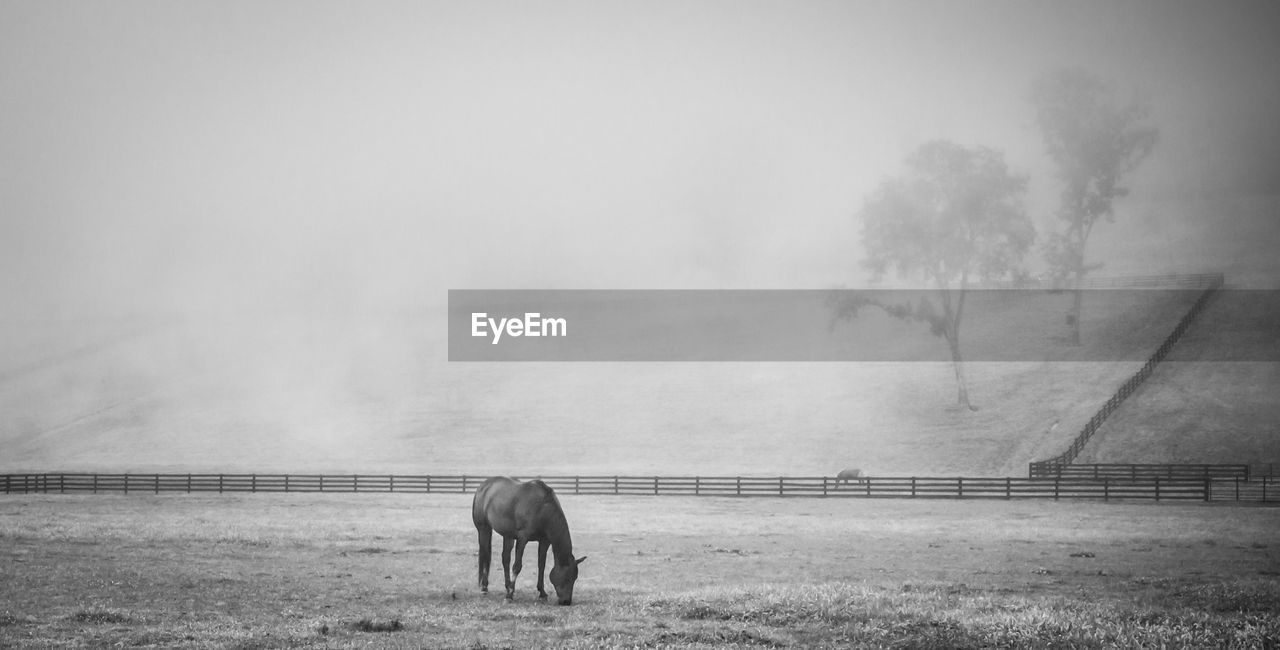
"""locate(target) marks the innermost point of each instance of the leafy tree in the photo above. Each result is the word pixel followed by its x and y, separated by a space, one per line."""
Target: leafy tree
pixel 1094 142
pixel 955 216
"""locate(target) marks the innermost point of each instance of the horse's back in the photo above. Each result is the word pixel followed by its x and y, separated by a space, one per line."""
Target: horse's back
pixel 849 474
pixel 491 497
pixel 503 503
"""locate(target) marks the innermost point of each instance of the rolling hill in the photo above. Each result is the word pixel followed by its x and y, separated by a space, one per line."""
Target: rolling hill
pixel 1214 398
pixel 286 393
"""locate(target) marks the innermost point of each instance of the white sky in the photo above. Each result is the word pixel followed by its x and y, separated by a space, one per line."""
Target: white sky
pixel 223 156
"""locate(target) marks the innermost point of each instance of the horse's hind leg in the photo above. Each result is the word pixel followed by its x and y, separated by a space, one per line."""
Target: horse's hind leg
pixel 486 552
pixel 507 542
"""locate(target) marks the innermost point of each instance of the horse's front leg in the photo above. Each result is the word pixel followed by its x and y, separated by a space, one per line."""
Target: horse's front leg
pixel 542 563
pixel 506 567
pixel 515 569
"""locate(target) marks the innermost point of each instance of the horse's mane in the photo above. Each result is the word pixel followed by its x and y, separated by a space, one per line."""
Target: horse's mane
pixel 549 497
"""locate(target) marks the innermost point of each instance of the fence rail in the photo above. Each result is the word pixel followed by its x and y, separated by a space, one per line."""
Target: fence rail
pixel 1141 471
pixel 1264 489
pixel 1211 283
pixel 1158 488
pixel 1173 280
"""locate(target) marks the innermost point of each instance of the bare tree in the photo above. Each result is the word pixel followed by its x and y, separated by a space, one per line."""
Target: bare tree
pixel 1094 142
pixel 954 216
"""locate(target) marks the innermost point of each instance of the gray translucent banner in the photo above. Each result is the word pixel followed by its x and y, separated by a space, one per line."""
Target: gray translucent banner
pixel 857 325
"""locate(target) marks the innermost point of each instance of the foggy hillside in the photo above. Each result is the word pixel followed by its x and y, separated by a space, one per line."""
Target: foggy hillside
pixel 227 231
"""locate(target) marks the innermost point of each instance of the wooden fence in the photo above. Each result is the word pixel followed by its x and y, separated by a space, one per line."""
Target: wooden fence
pixel 1264 489
pixel 1141 471
pixel 1169 281
pixel 1053 465
pixel 1154 488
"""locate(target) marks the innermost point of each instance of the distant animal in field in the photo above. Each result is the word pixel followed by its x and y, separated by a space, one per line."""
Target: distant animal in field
pixel 523 513
pixel 847 476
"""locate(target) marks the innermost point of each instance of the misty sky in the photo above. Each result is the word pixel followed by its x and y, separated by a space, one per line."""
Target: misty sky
pixel 218 157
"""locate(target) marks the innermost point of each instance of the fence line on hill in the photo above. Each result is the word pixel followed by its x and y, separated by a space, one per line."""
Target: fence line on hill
pixel 1155 488
pixel 1054 466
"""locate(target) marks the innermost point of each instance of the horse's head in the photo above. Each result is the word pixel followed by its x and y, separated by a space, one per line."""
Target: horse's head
pixel 562 578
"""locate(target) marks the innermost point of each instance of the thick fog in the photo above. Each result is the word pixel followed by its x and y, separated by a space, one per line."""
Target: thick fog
pixel 284 192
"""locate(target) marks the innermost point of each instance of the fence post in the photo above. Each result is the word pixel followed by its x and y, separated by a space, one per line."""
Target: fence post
pixel 464 482
pixel 253 483
pixel 824 486
pixel 655 485
pixel 576 488
pixel 780 491
pixel 157 483
pixel 697 485
pixel 126 483
pixel 959 487
pixel 286 482
pixel 739 486
pixel 1237 488
pixel 615 483
pixel 1057 484
pixel 219 484
pixel 1208 486
pixel 391 483
pixel 1106 489
pixel 1008 488
pixel 1157 488
pixel 95 483
pixel 913 487
pixel 188 482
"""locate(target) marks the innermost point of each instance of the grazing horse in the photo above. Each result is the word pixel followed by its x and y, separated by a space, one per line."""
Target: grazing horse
pixel 847 475
pixel 523 513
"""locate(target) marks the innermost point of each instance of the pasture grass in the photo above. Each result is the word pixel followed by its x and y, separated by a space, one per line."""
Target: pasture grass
pixel 950 616
pixel 323 571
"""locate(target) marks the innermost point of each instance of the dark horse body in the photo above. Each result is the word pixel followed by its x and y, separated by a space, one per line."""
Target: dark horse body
pixel 523 513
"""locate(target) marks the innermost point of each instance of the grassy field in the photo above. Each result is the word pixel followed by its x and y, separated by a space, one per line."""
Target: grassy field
pixel 399 570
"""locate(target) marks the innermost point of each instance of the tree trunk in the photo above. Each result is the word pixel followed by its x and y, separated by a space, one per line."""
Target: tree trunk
pixel 957 363
pixel 952 313
pixel 1080 236
pixel 1073 317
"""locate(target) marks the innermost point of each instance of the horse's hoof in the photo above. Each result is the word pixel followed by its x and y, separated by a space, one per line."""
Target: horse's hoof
pixel 542 596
